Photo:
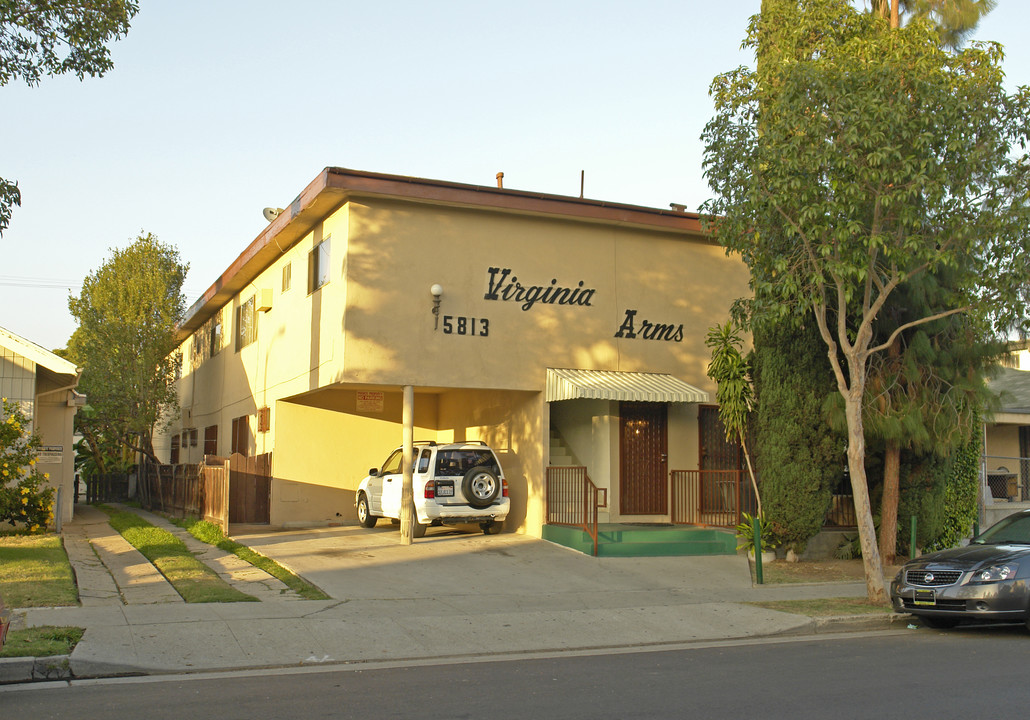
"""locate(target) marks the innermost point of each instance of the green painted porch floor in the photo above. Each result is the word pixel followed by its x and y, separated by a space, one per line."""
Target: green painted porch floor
pixel 614 540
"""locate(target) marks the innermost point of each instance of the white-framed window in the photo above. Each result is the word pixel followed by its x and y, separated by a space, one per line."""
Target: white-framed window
pixel 246 324
pixel 318 266
pixel 216 333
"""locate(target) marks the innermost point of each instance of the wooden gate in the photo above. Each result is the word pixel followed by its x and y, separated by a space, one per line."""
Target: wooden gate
pixel 214 478
pixel 643 459
pixel 250 483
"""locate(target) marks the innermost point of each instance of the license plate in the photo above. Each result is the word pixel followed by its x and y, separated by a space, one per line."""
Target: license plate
pixel 445 490
pixel 925 597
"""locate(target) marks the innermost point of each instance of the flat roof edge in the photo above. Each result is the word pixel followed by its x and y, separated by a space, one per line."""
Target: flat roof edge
pixel 335 185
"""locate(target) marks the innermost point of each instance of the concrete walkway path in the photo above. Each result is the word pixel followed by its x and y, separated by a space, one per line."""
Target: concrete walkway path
pixel 448 595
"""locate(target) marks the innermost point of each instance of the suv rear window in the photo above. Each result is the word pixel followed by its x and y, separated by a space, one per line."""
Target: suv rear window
pixel 458 462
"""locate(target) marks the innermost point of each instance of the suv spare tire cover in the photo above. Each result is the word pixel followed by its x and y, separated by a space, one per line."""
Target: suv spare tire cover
pixel 481 487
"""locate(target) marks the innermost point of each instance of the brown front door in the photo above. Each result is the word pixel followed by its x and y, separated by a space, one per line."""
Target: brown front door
pixel 643 464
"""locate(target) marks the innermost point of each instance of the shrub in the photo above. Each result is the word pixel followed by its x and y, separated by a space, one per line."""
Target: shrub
pixel 25 495
pixel 800 458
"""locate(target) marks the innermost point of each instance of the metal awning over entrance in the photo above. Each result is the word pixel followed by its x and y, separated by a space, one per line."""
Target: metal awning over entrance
pixel 567 384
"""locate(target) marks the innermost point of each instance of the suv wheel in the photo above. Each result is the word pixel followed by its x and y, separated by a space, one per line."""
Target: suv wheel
pixel 418 529
pixel 365 517
pixel 481 487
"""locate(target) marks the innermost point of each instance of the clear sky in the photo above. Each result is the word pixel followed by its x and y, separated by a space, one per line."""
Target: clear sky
pixel 218 108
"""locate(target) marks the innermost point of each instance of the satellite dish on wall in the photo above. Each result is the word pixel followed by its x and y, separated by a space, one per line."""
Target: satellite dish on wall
pixel 271 213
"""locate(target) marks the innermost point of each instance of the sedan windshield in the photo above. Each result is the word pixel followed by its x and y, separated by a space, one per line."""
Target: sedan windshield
pixel 1015 529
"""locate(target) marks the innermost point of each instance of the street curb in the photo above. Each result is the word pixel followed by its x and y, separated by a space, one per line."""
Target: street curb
pixel 60 667
pixel 858 623
pixel 33 669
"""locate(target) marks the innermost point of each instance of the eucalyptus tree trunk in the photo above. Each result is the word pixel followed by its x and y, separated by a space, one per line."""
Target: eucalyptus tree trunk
pixel 860 490
pixel 889 503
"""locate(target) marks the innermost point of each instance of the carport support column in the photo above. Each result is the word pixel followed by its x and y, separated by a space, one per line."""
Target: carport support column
pixel 407 438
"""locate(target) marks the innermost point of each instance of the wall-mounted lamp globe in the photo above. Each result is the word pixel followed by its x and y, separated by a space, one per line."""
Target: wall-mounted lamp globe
pixel 437 291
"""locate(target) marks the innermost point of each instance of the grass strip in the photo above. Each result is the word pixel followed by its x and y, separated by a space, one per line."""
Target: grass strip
pixel 825 607
pixel 41 641
pixel 192 579
pixel 35 572
pixel 211 534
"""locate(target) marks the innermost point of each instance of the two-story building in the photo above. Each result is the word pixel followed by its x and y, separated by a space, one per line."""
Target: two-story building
pixel 526 320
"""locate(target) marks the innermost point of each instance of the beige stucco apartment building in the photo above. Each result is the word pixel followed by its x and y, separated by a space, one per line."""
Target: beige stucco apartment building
pixel 43 385
pixel 559 321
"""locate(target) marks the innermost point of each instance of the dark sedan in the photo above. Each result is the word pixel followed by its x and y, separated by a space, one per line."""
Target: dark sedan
pixel 988 580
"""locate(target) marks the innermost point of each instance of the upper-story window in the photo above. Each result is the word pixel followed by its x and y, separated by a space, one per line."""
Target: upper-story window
pixel 246 324
pixel 287 276
pixel 216 333
pixel 318 266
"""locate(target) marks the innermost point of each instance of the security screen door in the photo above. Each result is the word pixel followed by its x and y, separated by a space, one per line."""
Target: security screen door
pixel 643 459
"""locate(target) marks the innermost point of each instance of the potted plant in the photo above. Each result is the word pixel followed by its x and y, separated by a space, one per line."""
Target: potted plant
pixel 746 537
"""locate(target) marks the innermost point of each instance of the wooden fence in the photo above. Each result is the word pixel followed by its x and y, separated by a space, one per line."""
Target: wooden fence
pixel 107 487
pixel 188 490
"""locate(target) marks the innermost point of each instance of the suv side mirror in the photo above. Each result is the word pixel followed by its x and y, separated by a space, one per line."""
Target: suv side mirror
pixel 374 472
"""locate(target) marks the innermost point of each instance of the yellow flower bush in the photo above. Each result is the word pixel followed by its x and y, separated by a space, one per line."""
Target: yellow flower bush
pixel 26 499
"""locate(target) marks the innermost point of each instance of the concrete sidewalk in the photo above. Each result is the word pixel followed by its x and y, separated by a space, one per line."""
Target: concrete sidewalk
pixel 447 595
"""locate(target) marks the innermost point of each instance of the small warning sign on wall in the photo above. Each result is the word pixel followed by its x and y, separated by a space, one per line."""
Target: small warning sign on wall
pixel 370 401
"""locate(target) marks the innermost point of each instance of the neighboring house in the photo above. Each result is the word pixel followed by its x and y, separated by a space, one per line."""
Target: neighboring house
pixel 44 384
pixel 564 330
pixel 1007 446
pixel 1018 355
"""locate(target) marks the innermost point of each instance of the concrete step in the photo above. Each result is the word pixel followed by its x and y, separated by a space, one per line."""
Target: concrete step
pixel 657 541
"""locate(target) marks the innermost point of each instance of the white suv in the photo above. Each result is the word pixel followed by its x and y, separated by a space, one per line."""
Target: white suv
pixel 452 484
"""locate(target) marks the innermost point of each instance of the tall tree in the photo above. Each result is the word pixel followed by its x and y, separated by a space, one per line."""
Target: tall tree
pixel 926 390
pixel 906 390
pixel 858 160
pixel 954 19
pixel 127 313
pixel 55 37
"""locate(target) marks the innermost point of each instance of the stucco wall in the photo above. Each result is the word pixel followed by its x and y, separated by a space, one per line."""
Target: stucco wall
pixel 325 446
pixel 1002 441
pixel 397 251
pixel 638 300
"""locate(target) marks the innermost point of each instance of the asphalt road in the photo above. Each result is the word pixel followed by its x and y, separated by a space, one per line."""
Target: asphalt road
pixel 963 673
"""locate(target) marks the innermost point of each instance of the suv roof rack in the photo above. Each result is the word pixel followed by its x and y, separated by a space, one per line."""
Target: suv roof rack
pixel 423 442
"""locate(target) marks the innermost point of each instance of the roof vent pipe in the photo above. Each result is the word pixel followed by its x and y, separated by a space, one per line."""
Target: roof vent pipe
pixel 500 180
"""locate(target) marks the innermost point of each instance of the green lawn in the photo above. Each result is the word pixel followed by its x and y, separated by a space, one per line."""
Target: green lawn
pixel 212 534
pixel 192 579
pixel 35 572
pixel 41 642
pixel 825 607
